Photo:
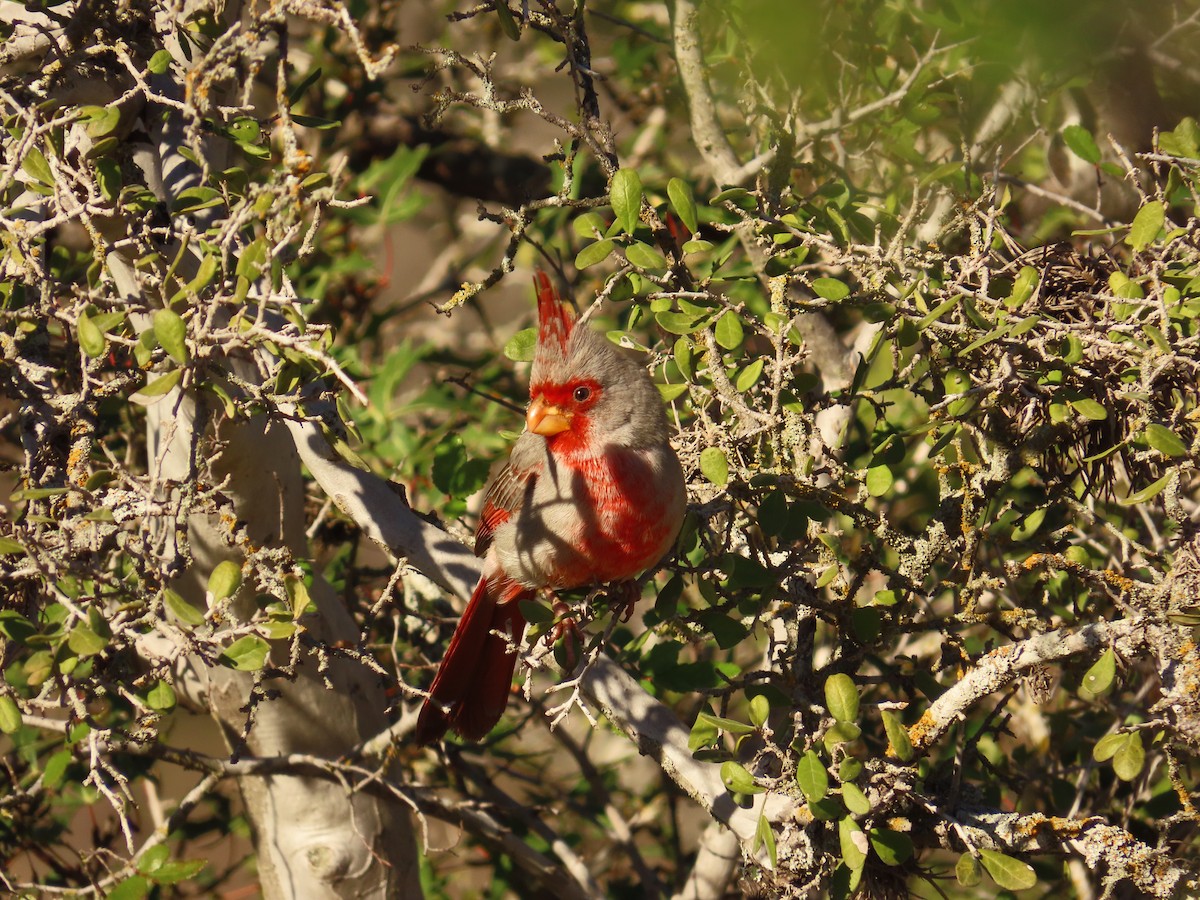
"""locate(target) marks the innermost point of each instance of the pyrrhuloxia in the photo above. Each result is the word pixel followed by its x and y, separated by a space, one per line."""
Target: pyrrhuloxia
pixel 592 492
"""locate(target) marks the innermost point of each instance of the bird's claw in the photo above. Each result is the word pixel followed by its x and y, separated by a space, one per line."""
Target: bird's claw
pixel 566 635
pixel 623 597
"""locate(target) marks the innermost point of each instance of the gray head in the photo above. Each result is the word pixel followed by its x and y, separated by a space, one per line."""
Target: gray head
pixel 582 385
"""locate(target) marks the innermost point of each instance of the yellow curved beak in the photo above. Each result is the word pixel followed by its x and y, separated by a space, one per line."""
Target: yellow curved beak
pixel 546 420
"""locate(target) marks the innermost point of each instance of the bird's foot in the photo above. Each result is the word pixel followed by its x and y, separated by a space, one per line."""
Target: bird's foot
pixel 566 636
pixel 623 597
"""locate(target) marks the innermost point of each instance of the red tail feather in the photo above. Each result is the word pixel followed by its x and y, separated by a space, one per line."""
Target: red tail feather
pixel 470 691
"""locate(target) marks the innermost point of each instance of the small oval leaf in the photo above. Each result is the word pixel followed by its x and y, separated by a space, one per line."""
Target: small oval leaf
pixel 594 253
pixel 171 331
pixel 247 654
pixel 625 195
pixel 854 798
pixel 900 743
pixel 679 192
pixel 853 843
pixel 1165 440
pixel 714 466
pixel 645 257
pixel 225 579
pixel 184 611
pixel 968 871
pixel 1146 225
pixel 831 288
pixel 1100 676
pixel 728 331
pixel 812 777
pixel 841 697
pixel 1007 872
pixel 10 714
pixel 1127 762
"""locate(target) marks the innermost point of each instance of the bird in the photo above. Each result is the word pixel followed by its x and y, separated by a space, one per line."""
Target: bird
pixel 592 493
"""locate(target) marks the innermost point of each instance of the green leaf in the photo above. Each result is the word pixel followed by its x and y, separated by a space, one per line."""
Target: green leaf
pixel 679 192
pixel 171 331
pixel 1081 143
pixel 679 323
pixel 625 195
pixel 765 837
pixel 91 338
pixel 594 253
pixel 831 288
pixel 247 654
pixel 536 613
pixel 9 547
pixel 1146 225
pixel 160 386
pixel 1100 676
pixel 251 260
pixel 749 376
pixel 968 871
pixel 714 466
pixel 739 781
pixel 1089 409
pixel 225 579
pixel 1147 493
pixel 299 600
pixel 1023 287
pixel 589 225
pixel 728 331
pixel 179 870
pixel 10 714
pixel 101 120
pixel 897 735
pixel 849 769
pixel 521 345
pixel 507 23
pixel 135 887
pixel 645 257
pixel 841 733
pixel 879 480
pixel 184 611
pixel 841 697
pixel 671 392
pixel 85 642
pixel 161 696
pixel 853 843
pixel 1007 872
pixel 195 199
pixel 892 847
pixel 56 769
pixel 707 727
pixel 108 177
pixel 36 167
pixel 153 859
pixel 760 710
pixel 812 777
pixel 854 798
pixel 1107 746
pixel 1164 440
pixel 244 129
pixel 160 62
pixel 1127 762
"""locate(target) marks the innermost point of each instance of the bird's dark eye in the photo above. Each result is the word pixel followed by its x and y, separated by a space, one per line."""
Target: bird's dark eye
pixel 582 394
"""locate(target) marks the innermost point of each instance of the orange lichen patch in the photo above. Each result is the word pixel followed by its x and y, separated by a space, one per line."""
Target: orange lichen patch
pixel 76 460
pixel 1033 561
pixel 1121 582
pixel 918 732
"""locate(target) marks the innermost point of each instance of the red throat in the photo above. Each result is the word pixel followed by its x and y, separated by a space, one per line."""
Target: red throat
pixel 555 320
